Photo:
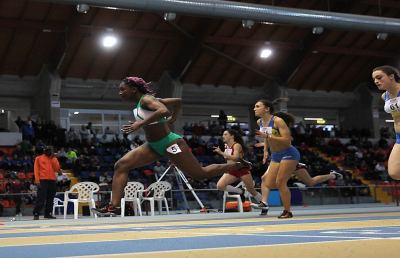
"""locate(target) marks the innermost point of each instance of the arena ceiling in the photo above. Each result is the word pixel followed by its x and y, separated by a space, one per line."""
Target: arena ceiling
pixel 196 50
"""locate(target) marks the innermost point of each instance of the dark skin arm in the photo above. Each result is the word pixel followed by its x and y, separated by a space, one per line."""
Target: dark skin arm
pixel 174 106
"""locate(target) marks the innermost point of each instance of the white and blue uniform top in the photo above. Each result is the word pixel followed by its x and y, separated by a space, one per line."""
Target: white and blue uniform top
pixel 392 106
pixel 270 129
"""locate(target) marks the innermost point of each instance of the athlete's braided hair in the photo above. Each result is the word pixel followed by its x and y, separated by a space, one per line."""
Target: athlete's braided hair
pixel 139 83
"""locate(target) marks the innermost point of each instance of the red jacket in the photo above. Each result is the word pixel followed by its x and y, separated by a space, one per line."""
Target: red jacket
pixel 45 168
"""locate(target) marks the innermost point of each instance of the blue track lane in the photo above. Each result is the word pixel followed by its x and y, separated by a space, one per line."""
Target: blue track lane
pixel 93 229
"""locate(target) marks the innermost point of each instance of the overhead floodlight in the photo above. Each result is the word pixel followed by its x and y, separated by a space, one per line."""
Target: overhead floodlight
pixel 169 16
pixel 82 8
pixel 76 113
pixel 317 30
pixel 265 53
pixel 247 24
pixel 109 41
pixel 382 36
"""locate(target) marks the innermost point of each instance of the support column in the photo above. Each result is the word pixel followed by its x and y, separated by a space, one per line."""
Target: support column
pixel 377 104
pixel 170 88
pixel 360 114
pixel 278 95
pixel 46 102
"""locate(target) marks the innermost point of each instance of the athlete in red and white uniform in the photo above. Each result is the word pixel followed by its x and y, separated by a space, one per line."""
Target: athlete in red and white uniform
pixel 234 149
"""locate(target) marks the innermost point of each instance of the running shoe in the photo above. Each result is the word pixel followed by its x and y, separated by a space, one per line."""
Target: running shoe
pixel 286 215
pixel 242 196
pixel 244 163
pixel 300 185
pixel 336 174
pixel 261 205
pixel 264 212
pixel 107 210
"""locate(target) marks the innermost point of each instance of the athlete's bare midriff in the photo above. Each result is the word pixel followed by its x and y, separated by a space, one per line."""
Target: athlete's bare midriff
pixel 277 146
pixel 156 132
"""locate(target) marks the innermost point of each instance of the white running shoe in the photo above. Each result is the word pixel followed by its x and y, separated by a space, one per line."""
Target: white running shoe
pixel 336 174
pixel 300 185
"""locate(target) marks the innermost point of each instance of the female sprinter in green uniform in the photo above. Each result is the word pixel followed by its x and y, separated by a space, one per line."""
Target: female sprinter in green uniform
pixel 154 117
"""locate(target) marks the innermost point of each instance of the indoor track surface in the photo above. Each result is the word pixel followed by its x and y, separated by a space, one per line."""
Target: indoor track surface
pixel 371 234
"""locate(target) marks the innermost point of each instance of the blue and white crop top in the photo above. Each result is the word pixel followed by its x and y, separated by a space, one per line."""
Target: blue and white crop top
pixel 140 113
pixel 270 129
pixel 392 106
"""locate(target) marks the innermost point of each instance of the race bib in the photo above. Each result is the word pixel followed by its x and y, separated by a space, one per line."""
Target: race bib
pixel 267 130
pixel 228 151
pixel 174 149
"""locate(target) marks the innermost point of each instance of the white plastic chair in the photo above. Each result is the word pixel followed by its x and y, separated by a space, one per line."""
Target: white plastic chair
pixel 159 189
pixel 234 196
pixel 57 203
pixel 85 192
pixel 132 193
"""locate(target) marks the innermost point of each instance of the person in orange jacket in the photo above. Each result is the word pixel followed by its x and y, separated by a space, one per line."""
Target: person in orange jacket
pixel 45 169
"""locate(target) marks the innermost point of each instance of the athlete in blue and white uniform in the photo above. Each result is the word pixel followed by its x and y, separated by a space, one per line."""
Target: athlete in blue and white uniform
pixel 284 157
pixel 387 78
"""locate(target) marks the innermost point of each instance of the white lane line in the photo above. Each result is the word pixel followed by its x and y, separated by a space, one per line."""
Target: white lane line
pixel 306 236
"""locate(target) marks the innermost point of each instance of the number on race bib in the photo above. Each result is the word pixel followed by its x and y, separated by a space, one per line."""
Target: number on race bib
pixel 174 149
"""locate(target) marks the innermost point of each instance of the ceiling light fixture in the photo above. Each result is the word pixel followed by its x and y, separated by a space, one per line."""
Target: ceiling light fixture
pixel 82 8
pixel 265 53
pixel 109 41
pixel 317 30
pixel 382 35
pixel 248 24
pixel 169 16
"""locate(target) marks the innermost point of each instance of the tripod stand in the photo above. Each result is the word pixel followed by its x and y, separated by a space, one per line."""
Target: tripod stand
pixel 179 178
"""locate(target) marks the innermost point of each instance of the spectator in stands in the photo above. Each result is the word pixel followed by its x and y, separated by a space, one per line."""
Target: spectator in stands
pixel 84 133
pixel 380 170
pixel 222 119
pixel 28 133
pixel 19 122
pixel 108 130
pixel 158 169
pixel 18 153
pixel 45 169
pixel 104 177
pixel 15 187
pixel 71 155
pixel 89 127
pixel 63 182
pixel 387 78
pixel 72 137
pixel 214 129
